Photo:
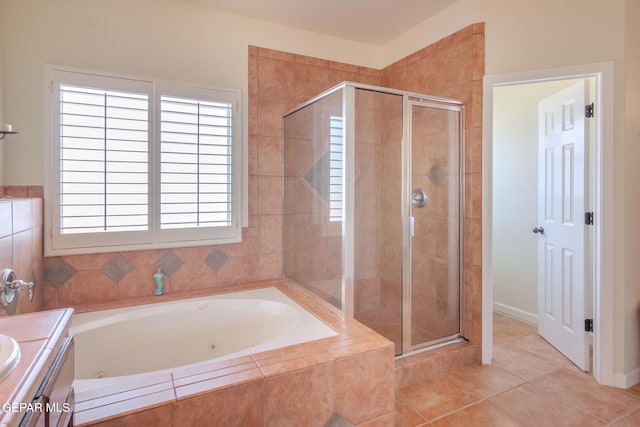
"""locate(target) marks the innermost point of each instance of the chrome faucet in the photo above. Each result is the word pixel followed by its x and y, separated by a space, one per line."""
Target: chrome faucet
pixel 10 286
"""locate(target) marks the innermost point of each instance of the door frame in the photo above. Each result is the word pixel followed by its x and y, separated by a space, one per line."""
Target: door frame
pixel 603 206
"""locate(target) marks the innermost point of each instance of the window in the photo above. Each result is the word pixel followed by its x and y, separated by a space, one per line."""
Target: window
pixel 136 164
pixel 104 160
pixel 195 163
pixel 336 144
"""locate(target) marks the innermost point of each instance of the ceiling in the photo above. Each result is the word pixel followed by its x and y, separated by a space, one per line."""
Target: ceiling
pixel 373 22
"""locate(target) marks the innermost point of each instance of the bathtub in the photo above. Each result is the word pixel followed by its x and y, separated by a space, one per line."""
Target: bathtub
pixel 117 344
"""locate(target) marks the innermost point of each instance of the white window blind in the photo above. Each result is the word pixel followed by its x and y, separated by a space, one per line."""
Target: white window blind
pixel 104 156
pixel 140 164
pixel 336 144
pixel 195 163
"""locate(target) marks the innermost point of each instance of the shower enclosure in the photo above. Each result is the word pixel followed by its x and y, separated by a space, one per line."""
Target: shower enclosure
pixel 372 205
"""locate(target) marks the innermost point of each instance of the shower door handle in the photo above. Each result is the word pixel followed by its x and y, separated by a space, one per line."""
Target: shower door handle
pixel 412 223
pixel 419 198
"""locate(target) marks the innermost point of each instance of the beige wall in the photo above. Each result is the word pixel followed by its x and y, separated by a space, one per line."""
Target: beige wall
pixel 613 38
pixel 562 44
pixel 630 299
pixel 153 38
pixel 515 207
pixel 448 21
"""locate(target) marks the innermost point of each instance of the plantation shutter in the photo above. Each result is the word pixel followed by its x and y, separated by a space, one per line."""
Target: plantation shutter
pixel 103 155
pixel 195 163
pixel 140 164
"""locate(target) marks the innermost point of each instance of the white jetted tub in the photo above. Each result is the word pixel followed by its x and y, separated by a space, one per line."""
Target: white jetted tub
pixel 127 341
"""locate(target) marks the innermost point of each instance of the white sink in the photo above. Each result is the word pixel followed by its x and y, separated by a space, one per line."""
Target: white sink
pixel 9 355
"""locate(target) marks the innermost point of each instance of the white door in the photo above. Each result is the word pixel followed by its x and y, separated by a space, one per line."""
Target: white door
pixel 562 193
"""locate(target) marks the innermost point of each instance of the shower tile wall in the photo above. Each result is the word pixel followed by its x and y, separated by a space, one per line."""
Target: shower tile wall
pixel 368 181
pixel 453 68
pixel 391 294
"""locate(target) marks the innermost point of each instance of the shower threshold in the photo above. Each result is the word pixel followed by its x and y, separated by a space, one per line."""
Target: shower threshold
pixel 456 339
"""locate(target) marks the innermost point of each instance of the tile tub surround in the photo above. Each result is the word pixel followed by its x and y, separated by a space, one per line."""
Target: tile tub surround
pixel 351 374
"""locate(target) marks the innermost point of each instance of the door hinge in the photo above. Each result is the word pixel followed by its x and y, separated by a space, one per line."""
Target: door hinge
pixel 588 110
pixel 588 325
pixel 588 218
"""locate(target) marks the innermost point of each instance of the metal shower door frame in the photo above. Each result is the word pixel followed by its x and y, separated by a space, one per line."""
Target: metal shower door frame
pixel 348 202
pixel 409 101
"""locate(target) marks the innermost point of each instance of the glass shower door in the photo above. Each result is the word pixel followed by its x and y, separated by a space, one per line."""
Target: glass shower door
pixel 371 218
pixel 378 211
pixel 432 273
pixel 312 215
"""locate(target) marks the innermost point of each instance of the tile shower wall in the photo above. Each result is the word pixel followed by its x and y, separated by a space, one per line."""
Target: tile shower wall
pixel 369 118
pixel 391 218
pixel 453 68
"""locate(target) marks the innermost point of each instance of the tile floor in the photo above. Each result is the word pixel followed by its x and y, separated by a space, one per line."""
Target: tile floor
pixel 529 384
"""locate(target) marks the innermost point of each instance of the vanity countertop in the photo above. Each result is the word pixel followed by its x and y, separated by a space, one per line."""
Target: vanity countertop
pixel 39 335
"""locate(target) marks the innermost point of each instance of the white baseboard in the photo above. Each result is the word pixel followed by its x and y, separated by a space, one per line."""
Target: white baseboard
pixel 627 380
pixel 525 316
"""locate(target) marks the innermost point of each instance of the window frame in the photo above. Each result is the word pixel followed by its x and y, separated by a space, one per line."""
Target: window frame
pixel 194 234
pixel 57 243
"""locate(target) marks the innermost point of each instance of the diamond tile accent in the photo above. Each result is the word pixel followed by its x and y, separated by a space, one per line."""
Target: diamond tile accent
pixel 337 420
pixel 117 267
pixel 169 263
pixel 436 174
pixel 216 259
pixel 57 272
pixel 318 176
